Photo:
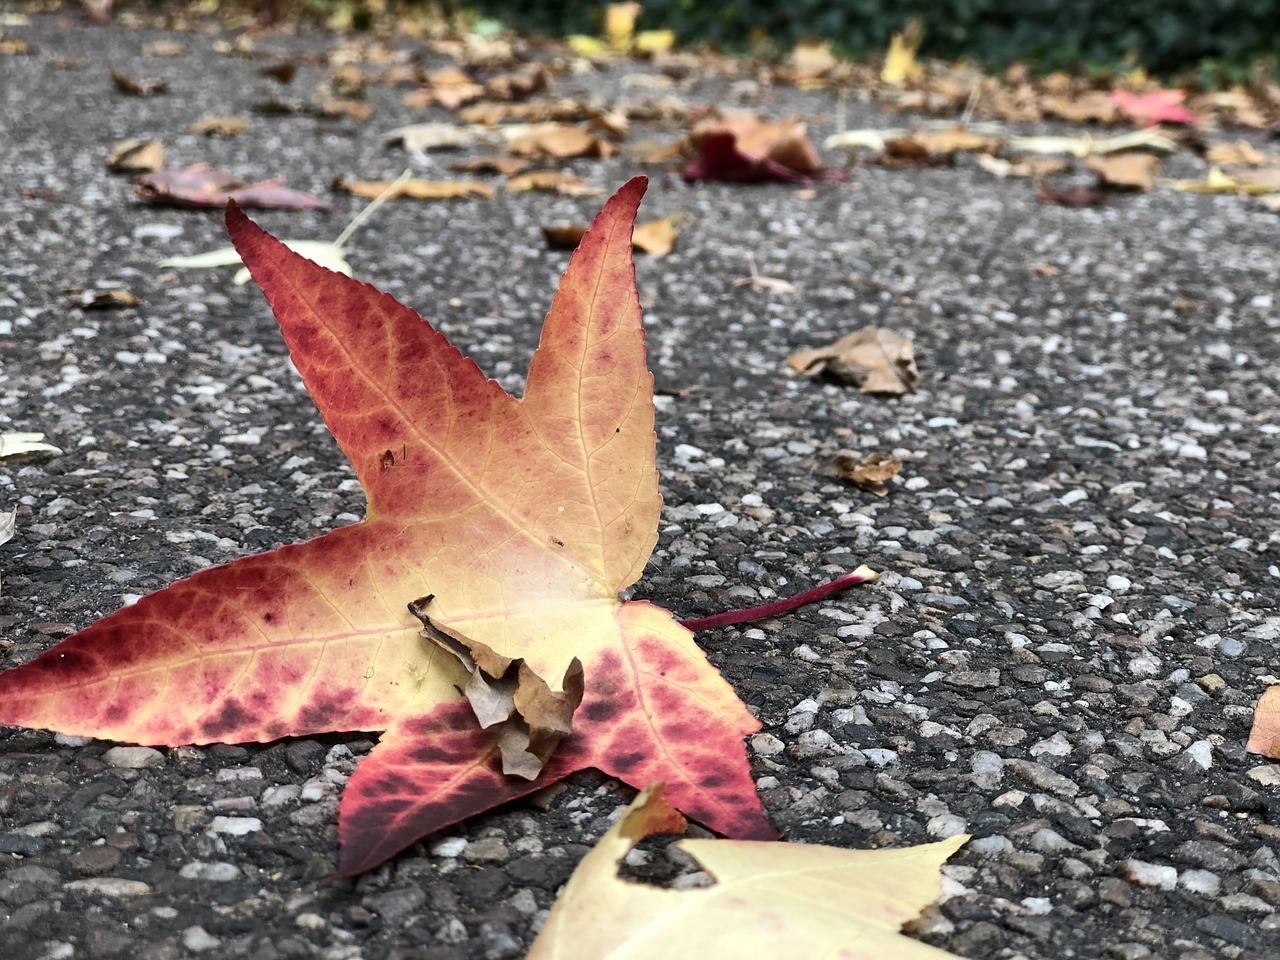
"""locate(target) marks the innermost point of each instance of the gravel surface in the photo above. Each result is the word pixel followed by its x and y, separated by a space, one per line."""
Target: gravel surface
pixel 1078 601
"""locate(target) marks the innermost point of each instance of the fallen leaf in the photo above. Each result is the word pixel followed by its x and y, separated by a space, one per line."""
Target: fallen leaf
pixel 1266 180
pixel 1090 146
pixel 773 284
pixel 147 87
pixel 657 237
pixel 199 185
pixel 1093 106
pixel 421 137
pixel 524 518
pixel 1037 167
pixel 16 444
pixel 563 238
pixel 136 156
pixel 326 253
pixel 649 42
pixel 1156 106
pixel 164 48
pixel 282 73
pixel 1079 195
pixel 553 181
pixel 219 127
pixel 505 166
pixel 865 138
pixel 416 189
pixel 620 24
pixel 766 900
pixel 900 60
pixel 872 472
pixel 518 85
pixel 1126 171
pixel 107 299
pixel 450 87
pixel 741 147
pixel 873 359
pixel 344 109
pixel 13 46
pixel 1264 736
pixel 1240 153
pixel 560 142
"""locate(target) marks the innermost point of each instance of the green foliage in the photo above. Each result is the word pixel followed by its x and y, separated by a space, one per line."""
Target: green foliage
pixel 1166 36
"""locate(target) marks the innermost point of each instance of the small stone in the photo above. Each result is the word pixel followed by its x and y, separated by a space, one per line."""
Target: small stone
pixel 767 745
pixel 189 819
pixel 1051 842
pixel 212 872
pixel 1231 930
pixel 397 907
pixel 235 826
pixel 946 825
pixel 1200 754
pixel 988 768
pixel 1268 775
pixel 134 758
pixel 488 848
pixel 198 939
pixel 449 847
pixel 311 921
pixel 1118 584
pixel 108 887
pixel 96 861
pixel 1041 777
pixel 1146 874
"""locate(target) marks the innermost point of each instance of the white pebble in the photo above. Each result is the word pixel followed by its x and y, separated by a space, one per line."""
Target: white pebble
pixel 235 826
pixel 198 939
pixel 449 847
pixel 1118 584
pixel 1146 874
pixel 134 758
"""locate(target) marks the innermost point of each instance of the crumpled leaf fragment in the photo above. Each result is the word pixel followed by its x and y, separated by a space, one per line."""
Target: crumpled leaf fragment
pixel 1029 167
pixel 657 237
pixel 872 472
pixel 768 899
pixel 418 138
pixel 146 87
pixel 136 156
pixel 1087 146
pixel 531 718
pixel 199 185
pixel 1219 181
pixel 873 359
pixel 219 126
pixel 1076 195
pixel 552 181
pixel 560 141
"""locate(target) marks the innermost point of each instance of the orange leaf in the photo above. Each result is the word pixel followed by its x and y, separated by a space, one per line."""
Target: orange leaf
pixel 513 523
pixel 1264 738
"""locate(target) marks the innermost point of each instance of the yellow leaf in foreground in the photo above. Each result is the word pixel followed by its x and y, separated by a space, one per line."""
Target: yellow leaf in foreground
pixel 769 900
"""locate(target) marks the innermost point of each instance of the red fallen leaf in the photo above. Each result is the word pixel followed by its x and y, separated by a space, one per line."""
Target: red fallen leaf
pixel 740 147
pixel 524 517
pixel 1158 106
pixel 199 185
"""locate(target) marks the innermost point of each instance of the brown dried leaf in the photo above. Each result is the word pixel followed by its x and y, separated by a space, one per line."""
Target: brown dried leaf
pixel 416 189
pixel 421 137
pixel 873 359
pixel 1126 171
pixel 344 109
pixel 771 150
pixel 136 156
pixel 107 299
pixel 219 126
pixel 531 719
pixel 872 473
pixel 164 48
pixel 1091 107
pixel 199 185
pixel 505 166
pixel 561 142
pixel 657 237
pixel 563 238
pixel 553 181
pixel 147 87
pixel 282 73
pixel 1038 167
pixel 1241 153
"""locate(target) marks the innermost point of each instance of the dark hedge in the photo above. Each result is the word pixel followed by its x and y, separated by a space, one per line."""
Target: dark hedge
pixel 1166 35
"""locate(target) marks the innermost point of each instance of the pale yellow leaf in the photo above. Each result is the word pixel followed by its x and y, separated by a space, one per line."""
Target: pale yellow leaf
pixel 769 900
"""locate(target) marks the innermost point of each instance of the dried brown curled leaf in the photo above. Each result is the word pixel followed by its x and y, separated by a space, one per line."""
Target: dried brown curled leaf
pixel 146 87
pixel 872 472
pixel 873 359
pixel 219 126
pixel 530 717
pixel 415 189
pixel 1126 171
pixel 136 156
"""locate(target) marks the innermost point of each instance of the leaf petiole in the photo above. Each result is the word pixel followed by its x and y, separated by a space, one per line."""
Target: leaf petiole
pixel 863 574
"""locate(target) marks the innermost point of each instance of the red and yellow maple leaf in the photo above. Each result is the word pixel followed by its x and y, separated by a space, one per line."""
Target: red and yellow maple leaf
pixel 521 519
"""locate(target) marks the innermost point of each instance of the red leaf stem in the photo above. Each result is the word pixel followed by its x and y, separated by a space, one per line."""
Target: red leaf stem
pixel 861 575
